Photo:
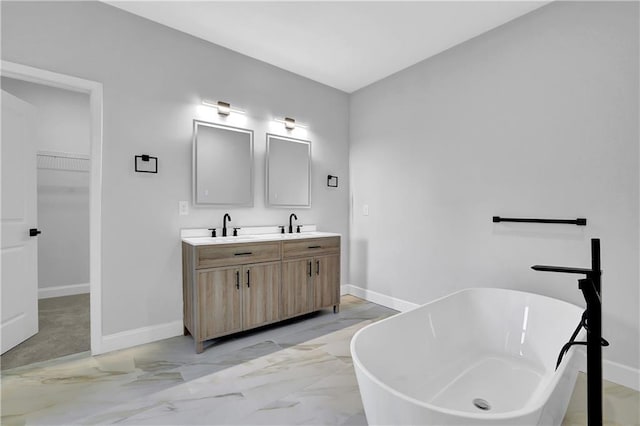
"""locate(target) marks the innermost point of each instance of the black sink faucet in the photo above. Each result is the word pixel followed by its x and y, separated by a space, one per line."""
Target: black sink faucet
pixel 292 216
pixel 224 224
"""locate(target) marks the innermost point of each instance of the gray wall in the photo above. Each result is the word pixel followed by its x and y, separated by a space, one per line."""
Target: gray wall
pixel 154 79
pixel 62 125
pixel 537 118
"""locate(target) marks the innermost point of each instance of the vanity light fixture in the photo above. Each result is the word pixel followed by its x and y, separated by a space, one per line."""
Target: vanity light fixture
pixel 224 108
pixel 290 123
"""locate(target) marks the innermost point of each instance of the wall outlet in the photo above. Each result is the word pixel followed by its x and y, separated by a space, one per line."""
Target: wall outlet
pixel 183 208
pixel 365 210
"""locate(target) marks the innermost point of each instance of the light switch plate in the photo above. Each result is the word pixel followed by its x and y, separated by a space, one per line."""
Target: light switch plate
pixel 365 210
pixel 183 207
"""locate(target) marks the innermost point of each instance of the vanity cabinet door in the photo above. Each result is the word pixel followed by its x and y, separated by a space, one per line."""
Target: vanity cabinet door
pixel 261 294
pixel 326 286
pixel 219 302
pixel 297 276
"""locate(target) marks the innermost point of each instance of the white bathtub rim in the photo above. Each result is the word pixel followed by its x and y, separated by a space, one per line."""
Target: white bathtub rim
pixel 541 400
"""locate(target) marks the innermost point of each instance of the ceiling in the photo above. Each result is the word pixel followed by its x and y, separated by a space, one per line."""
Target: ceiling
pixel 343 44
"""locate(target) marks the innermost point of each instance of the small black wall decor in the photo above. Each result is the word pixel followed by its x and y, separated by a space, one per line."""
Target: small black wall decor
pixel 145 163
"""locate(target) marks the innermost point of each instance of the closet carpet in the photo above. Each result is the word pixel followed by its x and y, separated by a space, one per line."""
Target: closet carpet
pixel 63 324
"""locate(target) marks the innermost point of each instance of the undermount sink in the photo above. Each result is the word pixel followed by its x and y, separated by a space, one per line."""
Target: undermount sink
pixel 260 236
pixel 300 235
pixel 218 240
pixel 284 236
pixel 257 237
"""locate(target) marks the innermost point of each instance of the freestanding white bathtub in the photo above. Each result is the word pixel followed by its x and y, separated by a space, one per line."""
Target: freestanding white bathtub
pixel 480 356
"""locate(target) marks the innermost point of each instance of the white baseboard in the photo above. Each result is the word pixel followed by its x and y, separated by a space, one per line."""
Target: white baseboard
pixel 621 374
pixel 378 298
pixel 140 336
pixel 614 372
pixel 62 290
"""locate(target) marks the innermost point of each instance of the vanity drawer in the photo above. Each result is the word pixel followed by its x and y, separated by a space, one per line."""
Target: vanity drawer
pixel 236 254
pixel 310 247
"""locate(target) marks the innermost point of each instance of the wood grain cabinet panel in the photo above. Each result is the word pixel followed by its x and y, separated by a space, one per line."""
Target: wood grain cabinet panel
pixel 296 287
pixel 261 294
pixel 237 254
pixel 187 287
pixel 310 247
pixel 229 288
pixel 326 286
pixel 219 303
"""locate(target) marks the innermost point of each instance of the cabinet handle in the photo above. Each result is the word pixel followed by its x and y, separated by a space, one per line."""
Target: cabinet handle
pixel 248 278
pixel 317 267
pixel 310 273
pixel 314 247
pixel 238 280
pixel 243 253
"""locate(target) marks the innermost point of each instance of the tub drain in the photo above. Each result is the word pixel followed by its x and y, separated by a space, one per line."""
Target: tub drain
pixel 481 404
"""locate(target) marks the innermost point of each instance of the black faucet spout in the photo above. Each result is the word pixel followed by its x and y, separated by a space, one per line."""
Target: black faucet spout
pixel 224 224
pixel 292 216
pixel 564 269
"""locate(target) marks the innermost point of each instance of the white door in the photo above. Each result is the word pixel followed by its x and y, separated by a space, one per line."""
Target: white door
pixel 19 286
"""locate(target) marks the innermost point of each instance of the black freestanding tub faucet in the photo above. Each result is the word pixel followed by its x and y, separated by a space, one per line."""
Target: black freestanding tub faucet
pixel 590 287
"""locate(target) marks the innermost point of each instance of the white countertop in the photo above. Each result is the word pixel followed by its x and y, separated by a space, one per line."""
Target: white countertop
pixel 255 238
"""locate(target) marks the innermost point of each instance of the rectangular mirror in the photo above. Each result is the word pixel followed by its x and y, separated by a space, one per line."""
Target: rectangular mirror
pixel 288 172
pixel 222 165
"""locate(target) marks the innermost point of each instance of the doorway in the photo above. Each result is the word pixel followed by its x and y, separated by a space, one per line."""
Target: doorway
pixel 91 160
pixel 61 129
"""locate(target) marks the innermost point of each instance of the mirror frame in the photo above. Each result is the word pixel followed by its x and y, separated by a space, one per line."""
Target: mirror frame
pixel 194 181
pixel 266 187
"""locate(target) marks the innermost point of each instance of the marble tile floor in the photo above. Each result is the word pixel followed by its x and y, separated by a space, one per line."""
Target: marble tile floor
pixel 299 372
pixel 72 389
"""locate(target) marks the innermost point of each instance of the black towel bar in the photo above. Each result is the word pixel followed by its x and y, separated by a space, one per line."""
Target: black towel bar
pixel 579 221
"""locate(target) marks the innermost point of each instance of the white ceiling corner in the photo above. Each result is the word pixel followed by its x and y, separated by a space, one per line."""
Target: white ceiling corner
pixel 343 44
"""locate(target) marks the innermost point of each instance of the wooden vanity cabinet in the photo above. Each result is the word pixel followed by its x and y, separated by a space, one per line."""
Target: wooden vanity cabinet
pixel 237 298
pixel 297 279
pixel 326 286
pixel 219 303
pixel 261 294
pixel 229 288
pixel 310 283
pixel 222 300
